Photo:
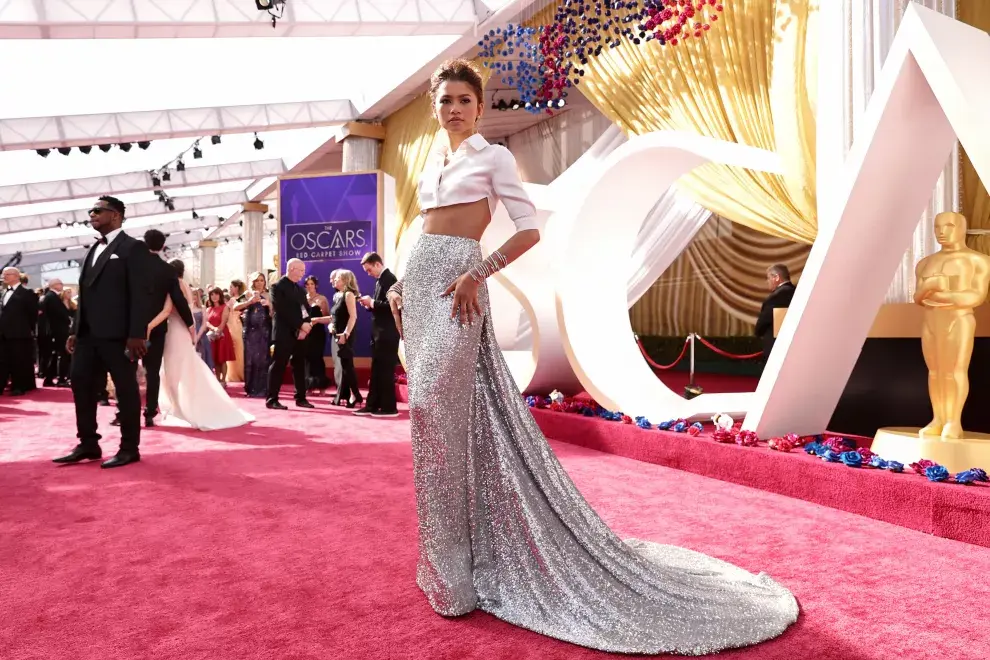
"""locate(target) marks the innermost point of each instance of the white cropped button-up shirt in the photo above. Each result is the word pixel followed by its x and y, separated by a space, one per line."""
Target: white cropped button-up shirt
pixel 477 170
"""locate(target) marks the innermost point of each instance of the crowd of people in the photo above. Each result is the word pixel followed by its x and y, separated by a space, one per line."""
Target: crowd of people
pixel 232 332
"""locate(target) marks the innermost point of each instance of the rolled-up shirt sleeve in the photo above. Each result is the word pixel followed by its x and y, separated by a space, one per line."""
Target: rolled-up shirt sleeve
pixel 508 187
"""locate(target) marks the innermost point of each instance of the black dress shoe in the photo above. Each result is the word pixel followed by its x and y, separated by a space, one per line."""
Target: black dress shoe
pixel 303 403
pixel 121 459
pixel 48 383
pixel 63 382
pixel 149 422
pixel 364 411
pixel 275 405
pixel 78 454
pixel 385 413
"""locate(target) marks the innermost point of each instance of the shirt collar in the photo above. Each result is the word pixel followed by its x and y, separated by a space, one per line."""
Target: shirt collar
pixel 112 235
pixel 476 143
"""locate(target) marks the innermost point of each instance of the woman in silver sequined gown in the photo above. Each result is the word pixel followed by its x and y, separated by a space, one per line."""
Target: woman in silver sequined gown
pixel 502 528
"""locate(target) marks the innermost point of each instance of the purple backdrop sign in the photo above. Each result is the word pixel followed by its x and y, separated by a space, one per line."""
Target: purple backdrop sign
pixel 330 222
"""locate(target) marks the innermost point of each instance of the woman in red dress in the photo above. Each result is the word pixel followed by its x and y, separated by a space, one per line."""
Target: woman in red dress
pixel 217 316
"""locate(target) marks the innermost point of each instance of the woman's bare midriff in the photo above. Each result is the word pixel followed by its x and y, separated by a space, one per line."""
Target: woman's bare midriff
pixel 465 220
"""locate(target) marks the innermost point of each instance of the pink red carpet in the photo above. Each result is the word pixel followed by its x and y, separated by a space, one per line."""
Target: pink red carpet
pixel 295 538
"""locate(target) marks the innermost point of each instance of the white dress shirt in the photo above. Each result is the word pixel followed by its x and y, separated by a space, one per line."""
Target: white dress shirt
pixel 476 170
pixel 100 247
pixel 8 293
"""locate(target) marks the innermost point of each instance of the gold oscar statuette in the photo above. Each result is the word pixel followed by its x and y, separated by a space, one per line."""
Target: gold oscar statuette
pixel 950 284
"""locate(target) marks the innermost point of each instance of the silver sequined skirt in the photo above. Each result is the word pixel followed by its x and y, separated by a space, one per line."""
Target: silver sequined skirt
pixel 502 527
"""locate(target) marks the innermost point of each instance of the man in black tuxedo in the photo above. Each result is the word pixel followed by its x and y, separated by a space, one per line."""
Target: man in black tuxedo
pixel 59 323
pixel 291 327
pixel 165 284
pixel 384 341
pixel 781 292
pixel 110 332
pixel 18 316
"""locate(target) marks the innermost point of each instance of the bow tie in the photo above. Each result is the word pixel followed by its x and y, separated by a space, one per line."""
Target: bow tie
pixel 103 239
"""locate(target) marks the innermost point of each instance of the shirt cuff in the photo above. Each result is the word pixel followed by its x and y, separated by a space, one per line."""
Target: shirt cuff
pixel 527 222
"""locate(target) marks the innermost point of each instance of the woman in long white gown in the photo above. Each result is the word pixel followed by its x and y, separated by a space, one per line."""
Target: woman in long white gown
pixel 190 393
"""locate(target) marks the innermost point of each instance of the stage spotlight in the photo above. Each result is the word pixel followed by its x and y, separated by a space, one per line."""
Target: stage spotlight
pixel 195 215
pixel 215 139
pixel 155 181
pixel 258 144
pixel 65 151
pixel 125 146
pixel 502 105
pixel 180 166
pixel 189 231
pixel 170 205
pixel 86 149
pixel 105 148
pixel 63 249
pixel 144 144
pixel 515 104
pixel 240 223
pixel 166 176
pixel 43 152
pixel 271 216
pixel 197 153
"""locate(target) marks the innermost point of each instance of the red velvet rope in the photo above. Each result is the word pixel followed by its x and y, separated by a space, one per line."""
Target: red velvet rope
pixel 662 366
pixel 715 349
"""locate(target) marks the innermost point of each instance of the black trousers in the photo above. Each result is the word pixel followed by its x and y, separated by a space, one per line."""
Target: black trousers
pixel 59 361
pixel 17 364
pixel 152 362
pixel 381 389
pixel 286 350
pixel 45 349
pixel 348 382
pixel 93 358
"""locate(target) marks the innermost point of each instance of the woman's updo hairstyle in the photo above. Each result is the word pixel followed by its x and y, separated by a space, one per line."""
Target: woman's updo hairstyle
pixel 178 266
pixel 459 70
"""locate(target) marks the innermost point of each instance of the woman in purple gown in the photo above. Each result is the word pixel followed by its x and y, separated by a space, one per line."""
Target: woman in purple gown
pixel 257 321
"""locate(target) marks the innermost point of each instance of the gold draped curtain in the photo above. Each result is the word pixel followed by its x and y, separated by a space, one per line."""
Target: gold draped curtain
pixel 752 79
pixel 975 201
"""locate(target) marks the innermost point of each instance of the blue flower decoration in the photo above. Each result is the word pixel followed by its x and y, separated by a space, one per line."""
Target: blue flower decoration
pixel 851 459
pixel 936 473
pixel 979 474
pixel 587 412
pixel 966 477
pixel 895 466
pixel 699 426
pixel 812 447
pixel 878 463
pixel 665 426
pixel 831 456
pixel 643 423
pixel 531 401
pixel 680 427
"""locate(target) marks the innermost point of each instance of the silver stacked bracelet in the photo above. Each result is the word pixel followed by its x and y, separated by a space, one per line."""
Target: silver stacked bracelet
pixel 395 291
pixel 495 262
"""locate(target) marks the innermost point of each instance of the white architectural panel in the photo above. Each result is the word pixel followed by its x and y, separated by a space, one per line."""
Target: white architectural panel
pixel 116 184
pixel 164 19
pixel 114 128
pixel 930 91
pixel 136 210
pixel 87 239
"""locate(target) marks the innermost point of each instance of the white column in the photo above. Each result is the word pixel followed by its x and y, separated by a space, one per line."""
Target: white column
pixel 253 215
pixel 361 154
pixel 207 263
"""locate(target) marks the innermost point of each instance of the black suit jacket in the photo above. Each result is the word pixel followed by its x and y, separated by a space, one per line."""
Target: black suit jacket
pixel 19 316
pixel 115 292
pixel 165 283
pixel 288 303
pixel 778 298
pixel 56 314
pixel 382 324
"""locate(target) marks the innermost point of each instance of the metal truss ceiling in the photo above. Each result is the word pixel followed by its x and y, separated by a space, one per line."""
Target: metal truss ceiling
pixel 138 210
pixel 87 240
pixel 114 128
pixel 117 184
pixel 78 253
pixel 162 19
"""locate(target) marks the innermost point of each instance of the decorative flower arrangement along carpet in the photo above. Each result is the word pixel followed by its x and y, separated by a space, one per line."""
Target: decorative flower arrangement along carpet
pixel 830 448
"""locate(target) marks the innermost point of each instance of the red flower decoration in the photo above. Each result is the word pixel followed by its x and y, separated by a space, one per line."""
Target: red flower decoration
pixel 747 438
pixel 693 430
pixel 626 419
pixel 556 407
pixel 784 444
pixel 920 466
pixel 866 454
pixel 725 437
